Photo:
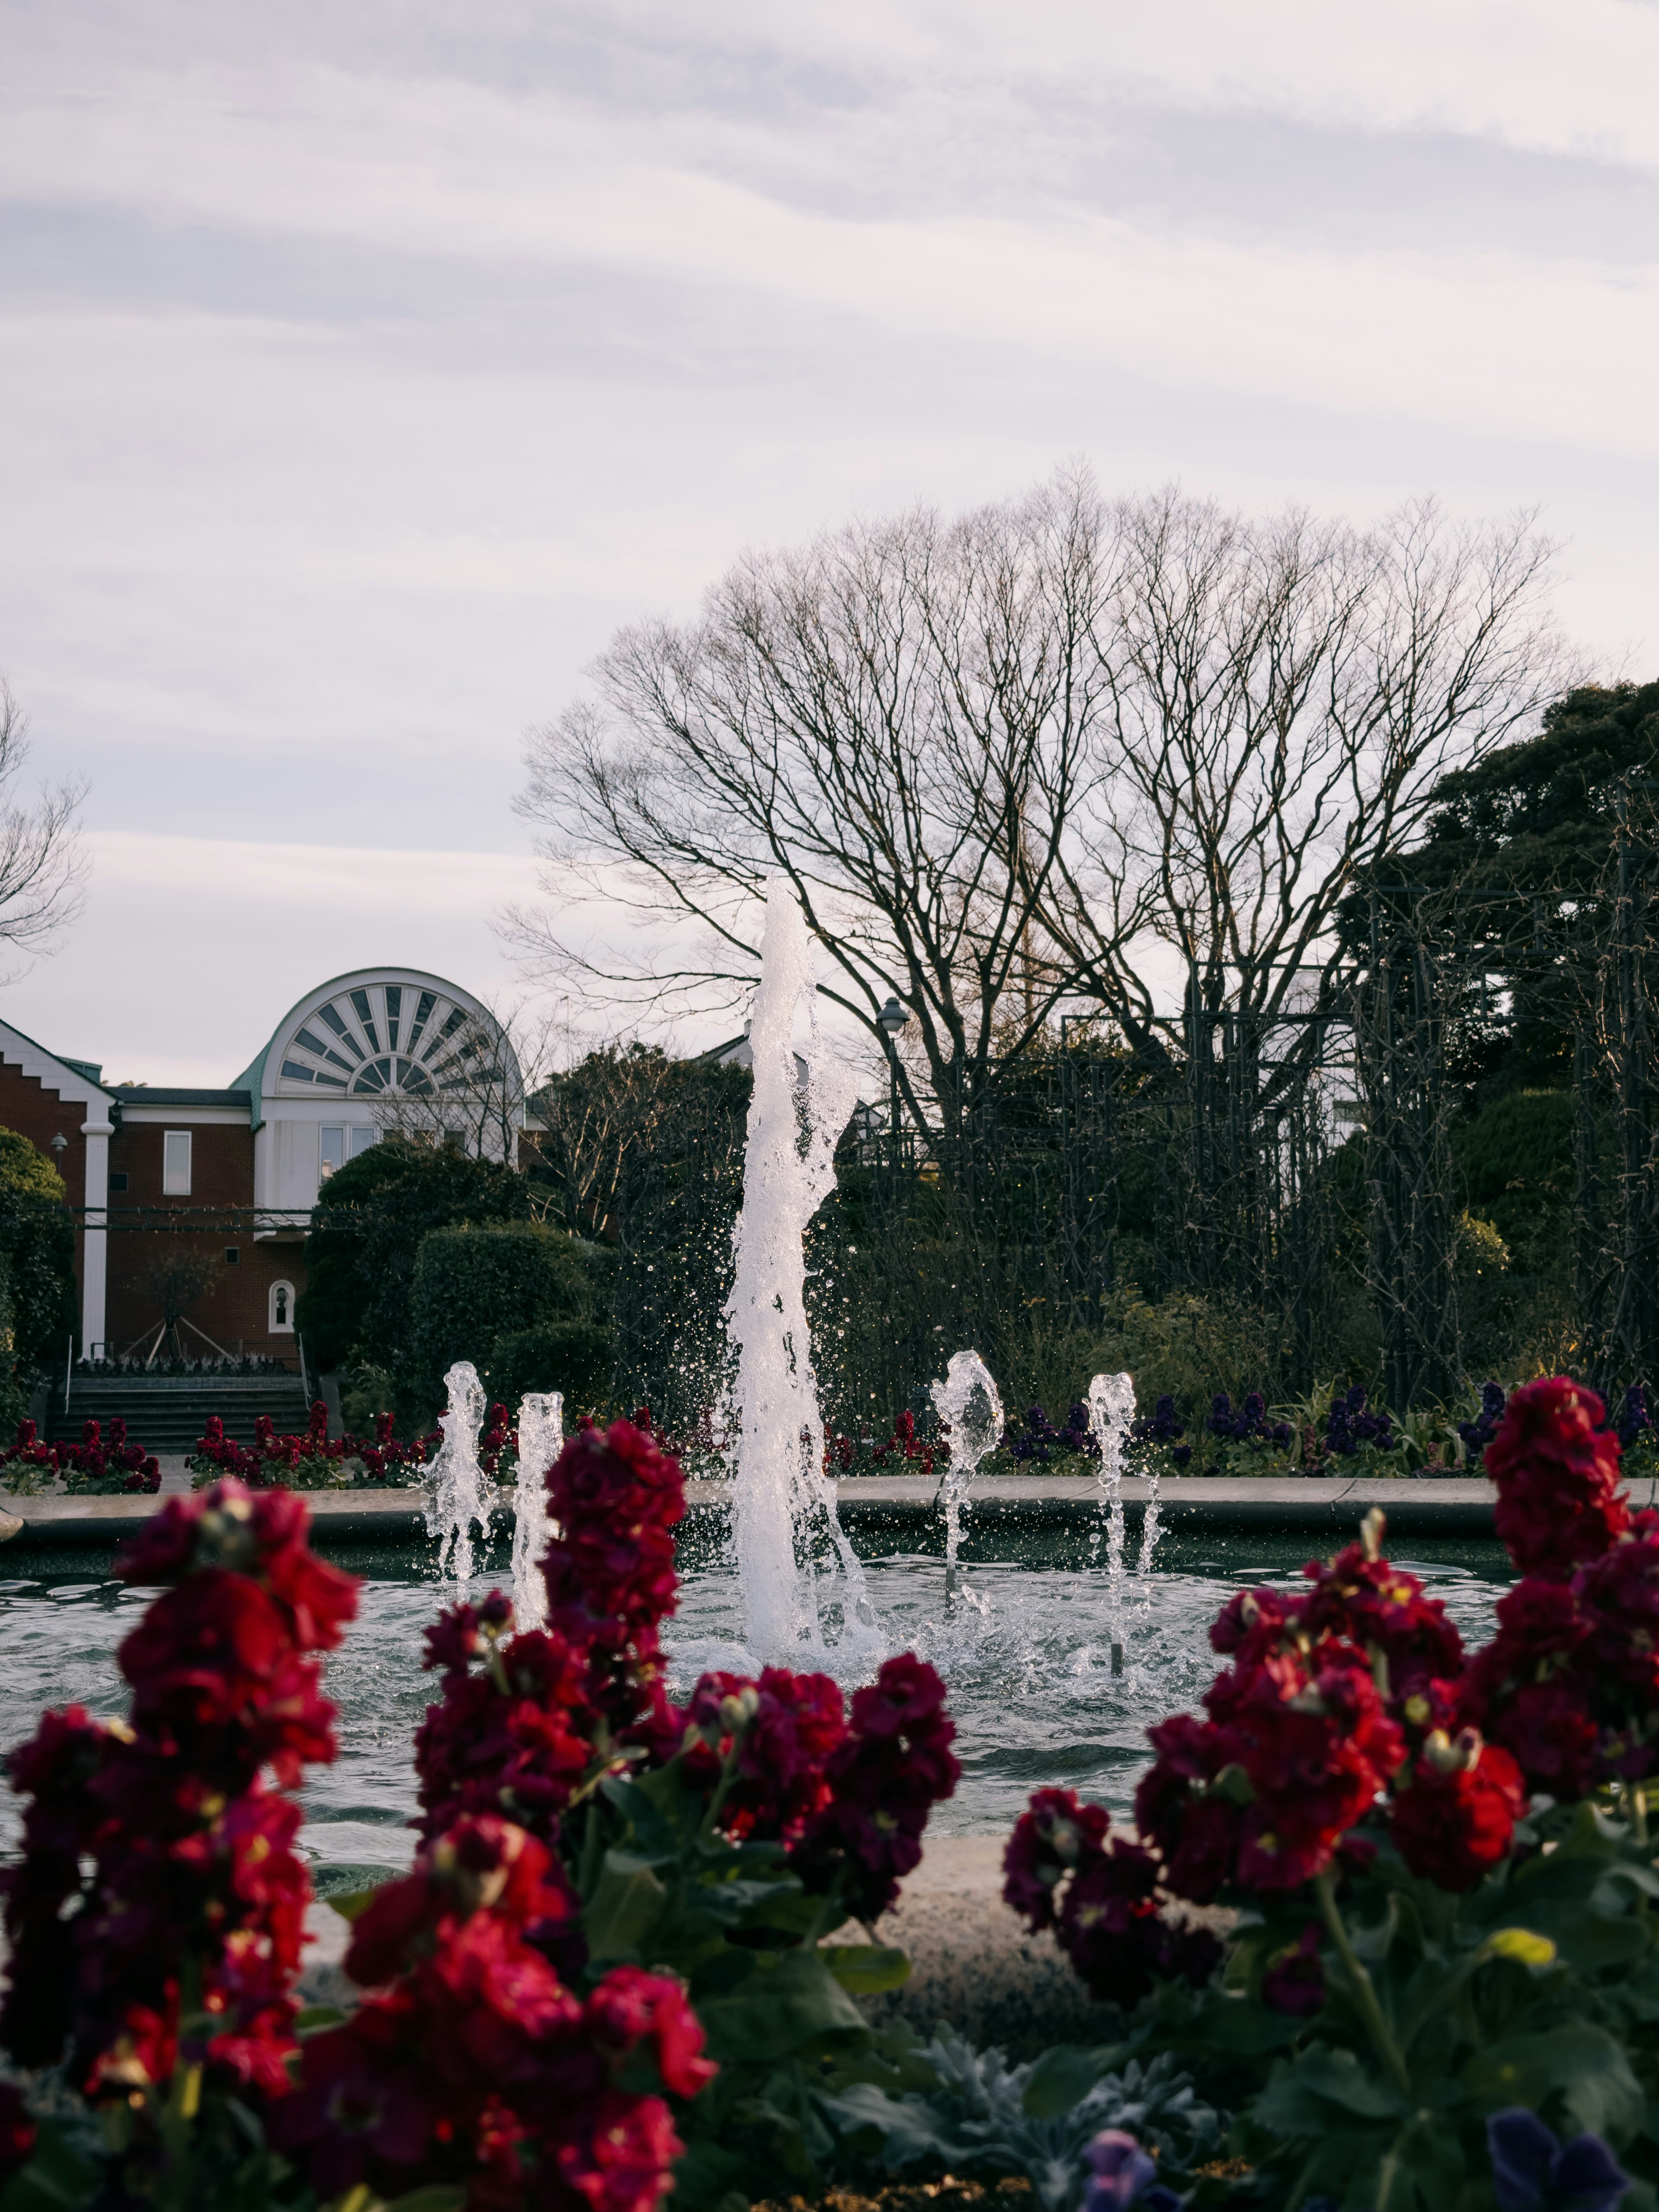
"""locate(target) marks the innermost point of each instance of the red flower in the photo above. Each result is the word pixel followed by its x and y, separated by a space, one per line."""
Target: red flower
pixel 622 2160
pixel 1197 1830
pixel 885 1778
pixel 156 1843
pixel 1369 1601
pixel 1100 1898
pixel 1050 1839
pixel 631 2007
pixel 478 2065
pixel 783 1729
pixel 1453 1817
pixel 1556 1471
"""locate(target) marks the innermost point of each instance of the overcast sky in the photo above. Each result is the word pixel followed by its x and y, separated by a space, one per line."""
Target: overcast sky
pixel 365 365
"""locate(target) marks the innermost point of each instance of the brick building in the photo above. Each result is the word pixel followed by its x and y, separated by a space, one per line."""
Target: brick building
pixel 233 1174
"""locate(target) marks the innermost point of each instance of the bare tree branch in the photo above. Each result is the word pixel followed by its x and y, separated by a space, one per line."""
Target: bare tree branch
pixel 43 863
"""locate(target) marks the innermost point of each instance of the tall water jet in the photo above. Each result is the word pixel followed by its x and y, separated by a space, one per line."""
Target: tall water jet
pixel 966 1401
pixel 1149 1534
pixel 785 1499
pixel 541 1433
pixel 1111 1409
pixel 459 1494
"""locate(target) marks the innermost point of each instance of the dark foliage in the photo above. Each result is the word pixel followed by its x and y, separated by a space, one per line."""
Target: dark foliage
pixel 366 1232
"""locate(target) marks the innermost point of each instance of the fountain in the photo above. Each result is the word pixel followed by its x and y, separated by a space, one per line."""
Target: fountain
pixel 1111 1409
pixel 966 1401
pixel 785 1499
pixel 458 1494
pixel 541 1432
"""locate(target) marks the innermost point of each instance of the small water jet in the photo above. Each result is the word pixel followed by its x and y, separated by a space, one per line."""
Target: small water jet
pixel 1111 1409
pixel 459 1494
pixel 785 1499
pixel 541 1433
pixel 967 1402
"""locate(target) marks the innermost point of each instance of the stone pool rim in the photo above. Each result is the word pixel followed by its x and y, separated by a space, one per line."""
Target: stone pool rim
pixel 1437 1505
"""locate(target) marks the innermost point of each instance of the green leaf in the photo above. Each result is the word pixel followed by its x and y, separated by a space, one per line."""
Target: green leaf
pixel 59 2176
pixel 1423 2166
pixel 1581 2065
pixel 1586 1940
pixel 627 1903
pixel 865 1970
pixel 435 2197
pixel 785 2002
pixel 1063 2077
pixel 316 2017
pixel 704 2175
pixel 1307 2096
pixel 356 1902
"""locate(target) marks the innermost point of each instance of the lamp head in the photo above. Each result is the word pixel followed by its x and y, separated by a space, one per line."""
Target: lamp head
pixel 893 1017
pixel 60 1143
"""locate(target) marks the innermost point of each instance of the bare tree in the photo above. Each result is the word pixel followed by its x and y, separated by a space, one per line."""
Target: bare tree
pixel 474 1095
pixel 179 1277
pixel 1285 696
pixel 43 864
pixel 898 720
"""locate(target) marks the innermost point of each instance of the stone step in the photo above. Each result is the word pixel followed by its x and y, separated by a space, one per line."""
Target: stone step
pixel 168 1414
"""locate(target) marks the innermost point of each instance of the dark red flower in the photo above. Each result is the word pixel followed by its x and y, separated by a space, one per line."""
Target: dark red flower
pixel 1369 1601
pixel 1294 1979
pixel 1453 1815
pixel 1050 1839
pixel 1556 1471
pixel 630 2007
pixel 885 1778
pixel 781 1729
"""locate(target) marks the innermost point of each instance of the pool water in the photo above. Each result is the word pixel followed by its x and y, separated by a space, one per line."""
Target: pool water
pixel 1023 1645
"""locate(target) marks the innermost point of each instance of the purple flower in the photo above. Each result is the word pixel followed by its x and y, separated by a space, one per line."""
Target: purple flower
pixel 1533 2172
pixel 1123 2175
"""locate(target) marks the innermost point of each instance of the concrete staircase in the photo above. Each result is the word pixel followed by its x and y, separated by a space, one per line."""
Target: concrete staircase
pixel 168 1413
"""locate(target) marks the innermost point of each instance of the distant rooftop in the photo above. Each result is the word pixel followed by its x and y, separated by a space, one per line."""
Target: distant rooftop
pixel 147 1094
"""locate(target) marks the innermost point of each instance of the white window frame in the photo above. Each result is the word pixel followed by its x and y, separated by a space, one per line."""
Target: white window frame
pixel 279 1328
pixel 326 1168
pixel 359 1137
pixel 172 1186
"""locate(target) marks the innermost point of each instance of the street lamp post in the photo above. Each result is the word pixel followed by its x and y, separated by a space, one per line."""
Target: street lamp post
pixel 893 1018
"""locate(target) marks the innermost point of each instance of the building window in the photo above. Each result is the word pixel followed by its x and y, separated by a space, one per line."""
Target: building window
pixel 332 1153
pixel 282 1309
pixel 175 1163
pixel 232 1254
pixel 362 1138
pixel 119 1179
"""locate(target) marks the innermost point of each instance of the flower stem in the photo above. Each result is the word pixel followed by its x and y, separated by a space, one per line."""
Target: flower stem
pixel 1365 1993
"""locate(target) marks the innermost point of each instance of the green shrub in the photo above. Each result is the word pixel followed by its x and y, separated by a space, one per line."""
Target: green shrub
pixel 366 1232
pixel 571 1357
pixel 37 1306
pixel 517 1299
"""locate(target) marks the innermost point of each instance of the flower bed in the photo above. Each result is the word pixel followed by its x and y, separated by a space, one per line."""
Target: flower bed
pixel 1440 1863
pixel 604 1972
pixel 97 1467
pixel 312 1461
pixel 612 1972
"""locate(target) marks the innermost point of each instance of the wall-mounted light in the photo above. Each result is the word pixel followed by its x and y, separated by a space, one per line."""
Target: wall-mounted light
pixel 60 1143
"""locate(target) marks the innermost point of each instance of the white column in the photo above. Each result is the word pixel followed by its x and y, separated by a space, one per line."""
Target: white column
pixel 94 1272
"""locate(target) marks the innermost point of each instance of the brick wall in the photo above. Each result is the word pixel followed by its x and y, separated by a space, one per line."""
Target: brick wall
pixel 41 1114
pixel 235 1312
